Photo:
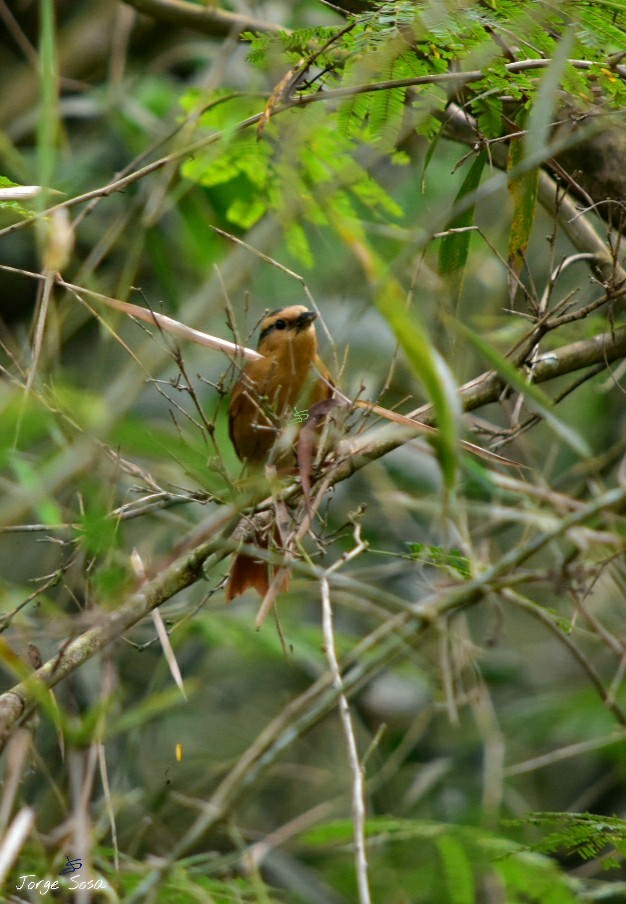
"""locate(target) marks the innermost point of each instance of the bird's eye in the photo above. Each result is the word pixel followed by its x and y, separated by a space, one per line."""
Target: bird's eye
pixel 280 324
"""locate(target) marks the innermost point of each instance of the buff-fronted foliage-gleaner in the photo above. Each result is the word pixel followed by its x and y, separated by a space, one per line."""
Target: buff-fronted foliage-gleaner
pixel 288 379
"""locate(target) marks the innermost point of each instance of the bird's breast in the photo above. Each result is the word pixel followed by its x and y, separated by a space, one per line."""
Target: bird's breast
pixel 270 394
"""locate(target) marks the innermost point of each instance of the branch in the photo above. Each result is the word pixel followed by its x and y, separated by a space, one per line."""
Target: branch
pixel 124 386
pixel 208 20
pixel 353 454
pixel 164 323
pixel 358 784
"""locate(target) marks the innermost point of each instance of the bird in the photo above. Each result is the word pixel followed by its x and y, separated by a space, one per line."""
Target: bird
pixel 271 393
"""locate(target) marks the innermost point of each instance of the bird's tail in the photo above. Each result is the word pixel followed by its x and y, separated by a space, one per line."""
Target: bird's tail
pixel 246 571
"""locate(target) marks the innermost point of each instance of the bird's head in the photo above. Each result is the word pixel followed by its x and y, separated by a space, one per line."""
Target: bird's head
pixel 289 330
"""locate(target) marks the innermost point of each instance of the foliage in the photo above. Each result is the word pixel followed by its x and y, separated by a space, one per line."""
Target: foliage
pixel 403 168
pixel 406 49
pixel 582 834
pixel 452 863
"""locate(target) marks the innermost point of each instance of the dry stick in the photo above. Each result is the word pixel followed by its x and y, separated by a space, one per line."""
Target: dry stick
pixel 180 574
pixel 197 336
pixel 605 348
pixel 577 227
pixel 14 839
pixel 48 279
pixel 483 390
pixel 601 349
pixel 122 390
pixel 299 715
pixel 565 753
pixel 263 257
pixel 167 324
pixel 461 127
pixel 554 356
pixel 292 540
pixel 130 178
pixel 410 422
pixel 580 231
pixel 376 651
pixel 18 761
pixel 258 851
pixel 187 570
pixel 108 687
pixel 455 79
pixel 534 419
pixel 358 785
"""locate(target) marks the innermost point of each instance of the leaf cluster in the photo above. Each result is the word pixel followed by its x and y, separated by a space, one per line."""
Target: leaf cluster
pixel 406 53
pixel 584 835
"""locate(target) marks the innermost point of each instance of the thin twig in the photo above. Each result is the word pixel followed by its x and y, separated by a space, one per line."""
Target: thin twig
pixel 167 324
pixel 358 785
pixel 206 19
pixel 546 619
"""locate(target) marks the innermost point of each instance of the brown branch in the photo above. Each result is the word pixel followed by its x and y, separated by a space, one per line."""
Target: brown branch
pixel 129 178
pixel 353 454
pixel 601 349
pixel 147 315
pixel 208 20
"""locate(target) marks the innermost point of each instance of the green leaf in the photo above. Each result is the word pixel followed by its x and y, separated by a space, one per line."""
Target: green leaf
pixel 488 111
pixel 451 560
pixel 454 248
pixel 540 119
pixel 386 114
pixel 523 186
pixel 351 115
pixel 433 372
pixel 457 869
pixel 430 153
pixel 29 477
pixel 24 421
pixel 111 581
pixel 245 212
pixel 97 529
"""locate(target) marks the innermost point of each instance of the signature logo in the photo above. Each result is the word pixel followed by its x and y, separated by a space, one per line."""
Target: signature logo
pixel 71 866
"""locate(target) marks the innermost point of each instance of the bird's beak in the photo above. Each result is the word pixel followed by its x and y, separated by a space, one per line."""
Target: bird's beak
pixel 305 319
